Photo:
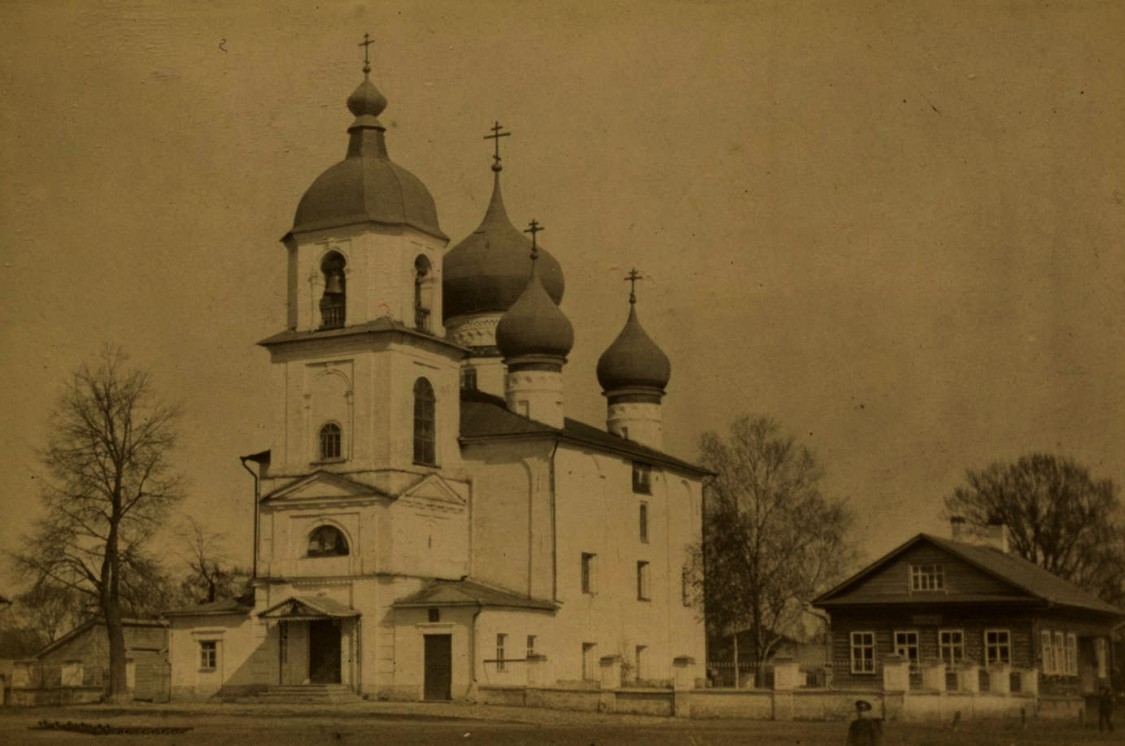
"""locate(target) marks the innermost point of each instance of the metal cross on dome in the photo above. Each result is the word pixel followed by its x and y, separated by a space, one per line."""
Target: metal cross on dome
pixel 495 137
pixel 632 278
pixel 366 44
pixel 533 228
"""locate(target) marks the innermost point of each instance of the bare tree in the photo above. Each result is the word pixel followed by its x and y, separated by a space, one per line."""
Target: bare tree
pixel 211 575
pixel 1058 516
pixel 50 609
pixel 771 540
pixel 110 485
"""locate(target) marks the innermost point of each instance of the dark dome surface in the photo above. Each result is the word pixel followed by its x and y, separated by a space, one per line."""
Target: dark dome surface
pixel 488 270
pixel 633 360
pixel 534 325
pixel 366 187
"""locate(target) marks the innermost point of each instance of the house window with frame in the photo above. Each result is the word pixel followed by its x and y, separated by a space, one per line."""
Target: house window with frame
pixel 327 541
pixel 331 438
pixel 501 641
pixel 643 521
pixel 588 572
pixel 1071 654
pixel 1046 652
pixel 997 646
pixel 425 425
pixel 642 478
pixel 927 578
pixel 906 645
pixel 951 646
pixel 208 655
pixel 863 652
pixel 642 581
pixel 1060 653
pixel 531 640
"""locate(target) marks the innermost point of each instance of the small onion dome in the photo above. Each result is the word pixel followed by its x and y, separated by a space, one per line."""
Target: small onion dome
pixel 366 187
pixel 487 271
pixel 633 360
pixel 534 326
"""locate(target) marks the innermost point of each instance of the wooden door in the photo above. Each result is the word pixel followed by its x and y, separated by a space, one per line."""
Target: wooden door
pixel 324 651
pixel 439 667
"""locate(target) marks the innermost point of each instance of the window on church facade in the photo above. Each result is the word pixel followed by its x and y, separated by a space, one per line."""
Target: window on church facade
pixel 327 541
pixel 530 645
pixel 208 655
pixel 642 478
pixel 334 301
pixel 423 293
pixel 642 581
pixel 588 572
pixel 643 519
pixel 330 442
pixel 469 379
pixel 425 425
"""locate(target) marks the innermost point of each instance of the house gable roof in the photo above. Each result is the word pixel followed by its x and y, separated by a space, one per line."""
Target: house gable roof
pixel 446 593
pixel 90 624
pixel 1025 581
pixel 302 608
pixel 240 606
pixel 487 417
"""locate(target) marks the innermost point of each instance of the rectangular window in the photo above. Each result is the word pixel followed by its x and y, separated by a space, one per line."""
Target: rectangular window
pixel 500 641
pixel 1047 652
pixel 642 478
pixel 642 581
pixel 588 572
pixel 1060 654
pixel 644 523
pixel 589 662
pixel 863 652
pixel 997 646
pixel 926 578
pixel 906 645
pixel 639 667
pixel 951 646
pixel 208 655
pixel 469 379
pixel 530 645
pixel 1071 654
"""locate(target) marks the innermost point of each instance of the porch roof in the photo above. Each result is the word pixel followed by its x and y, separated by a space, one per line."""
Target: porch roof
pixel 307 608
pixel 469 593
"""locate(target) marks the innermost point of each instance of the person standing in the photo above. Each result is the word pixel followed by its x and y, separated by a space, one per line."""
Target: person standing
pixel 1105 709
pixel 865 730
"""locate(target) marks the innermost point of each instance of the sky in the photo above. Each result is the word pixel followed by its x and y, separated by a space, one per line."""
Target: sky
pixel 896 227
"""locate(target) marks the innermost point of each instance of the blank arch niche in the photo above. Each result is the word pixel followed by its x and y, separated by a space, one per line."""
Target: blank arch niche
pixel 330 409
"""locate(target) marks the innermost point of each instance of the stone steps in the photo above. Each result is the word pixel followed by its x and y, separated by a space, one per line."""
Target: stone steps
pixel 303 694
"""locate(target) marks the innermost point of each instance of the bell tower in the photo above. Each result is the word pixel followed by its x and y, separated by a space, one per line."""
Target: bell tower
pixel 368 383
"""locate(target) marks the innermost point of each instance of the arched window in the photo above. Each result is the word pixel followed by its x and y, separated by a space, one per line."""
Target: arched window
pixel 330 442
pixel 423 293
pixel 333 302
pixel 327 541
pixel 424 422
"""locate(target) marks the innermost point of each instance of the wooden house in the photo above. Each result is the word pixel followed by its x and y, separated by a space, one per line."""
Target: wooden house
pixel 968 603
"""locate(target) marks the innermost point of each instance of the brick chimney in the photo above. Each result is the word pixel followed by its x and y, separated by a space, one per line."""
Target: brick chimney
pixel 996 535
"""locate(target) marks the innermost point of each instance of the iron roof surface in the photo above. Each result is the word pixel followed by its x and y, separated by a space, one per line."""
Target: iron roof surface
pixel 486 416
pixel 469 593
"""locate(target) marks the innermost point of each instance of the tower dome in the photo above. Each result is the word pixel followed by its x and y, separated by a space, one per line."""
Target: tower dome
pixel 487 271
pixel 534 326
pixel 366 187
pixel 633 361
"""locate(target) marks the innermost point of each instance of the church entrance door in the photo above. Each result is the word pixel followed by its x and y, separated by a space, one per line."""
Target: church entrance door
pixel 324 651
pixel 439 667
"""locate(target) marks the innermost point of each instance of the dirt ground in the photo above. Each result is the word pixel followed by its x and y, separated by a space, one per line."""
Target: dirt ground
pixel 388 725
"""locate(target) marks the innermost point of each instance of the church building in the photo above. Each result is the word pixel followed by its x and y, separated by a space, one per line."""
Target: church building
pixel 428 519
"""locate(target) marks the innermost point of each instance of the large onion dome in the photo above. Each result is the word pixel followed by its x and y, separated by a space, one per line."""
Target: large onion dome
pixel 487 271
pixel 534 326
pixel 633 360
pixel 366 187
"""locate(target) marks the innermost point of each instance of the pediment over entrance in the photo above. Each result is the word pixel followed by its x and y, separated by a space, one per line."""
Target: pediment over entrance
pixel 322 484
pixel 434 489
pixel 307 608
